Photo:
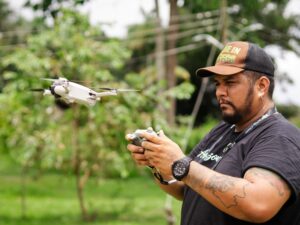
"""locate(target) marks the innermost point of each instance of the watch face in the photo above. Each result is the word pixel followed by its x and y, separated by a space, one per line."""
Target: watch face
pixel 180 168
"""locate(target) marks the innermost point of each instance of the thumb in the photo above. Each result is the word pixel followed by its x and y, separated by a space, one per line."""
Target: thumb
pixel 161 133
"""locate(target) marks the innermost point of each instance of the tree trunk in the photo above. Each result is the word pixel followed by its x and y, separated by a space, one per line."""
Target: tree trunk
pixel 159 56
pixel 80 183
pixel 160 46
pixel 172 59
pixel 24 191
pixel 224 21
pixel 171 219
pixel 76 166
pixel 171 82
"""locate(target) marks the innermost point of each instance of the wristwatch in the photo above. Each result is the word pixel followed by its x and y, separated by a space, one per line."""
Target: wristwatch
pixel 180 168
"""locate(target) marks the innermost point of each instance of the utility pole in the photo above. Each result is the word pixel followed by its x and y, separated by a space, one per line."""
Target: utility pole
pixel 204 83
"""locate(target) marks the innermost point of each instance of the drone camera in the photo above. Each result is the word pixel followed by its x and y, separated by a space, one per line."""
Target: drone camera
pixel 136 138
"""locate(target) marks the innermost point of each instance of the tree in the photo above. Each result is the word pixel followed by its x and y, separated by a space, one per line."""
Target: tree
pixel 13 31
pixel 41 143
pixel 50 8
pixel 86 141
pixel 261 22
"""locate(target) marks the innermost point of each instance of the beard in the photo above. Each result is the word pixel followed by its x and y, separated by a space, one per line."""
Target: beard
pixel 239 114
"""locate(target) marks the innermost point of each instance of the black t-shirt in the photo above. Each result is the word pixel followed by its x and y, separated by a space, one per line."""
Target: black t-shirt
pixel 274 145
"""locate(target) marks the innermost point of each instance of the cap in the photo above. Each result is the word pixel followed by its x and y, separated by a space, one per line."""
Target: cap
pixel 239 56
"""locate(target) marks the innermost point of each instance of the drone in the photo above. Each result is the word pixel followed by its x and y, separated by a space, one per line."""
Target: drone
pixel 71 92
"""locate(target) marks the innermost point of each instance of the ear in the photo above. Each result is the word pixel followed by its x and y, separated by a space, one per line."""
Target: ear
pixel 262 85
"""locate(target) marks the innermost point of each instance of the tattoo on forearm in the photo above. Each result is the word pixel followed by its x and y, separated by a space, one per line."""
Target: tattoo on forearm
pixel 219 185
pixel 197 182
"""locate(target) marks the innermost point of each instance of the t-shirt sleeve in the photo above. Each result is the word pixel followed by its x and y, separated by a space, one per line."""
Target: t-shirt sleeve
pixel 280 155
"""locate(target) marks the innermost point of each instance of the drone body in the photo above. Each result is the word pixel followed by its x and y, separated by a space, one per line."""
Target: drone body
pixel 72 92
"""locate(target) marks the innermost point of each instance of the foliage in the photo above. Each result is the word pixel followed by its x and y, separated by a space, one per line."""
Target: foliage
pixel 85 141
pixel 52 7
pixel 261 22
pixel 4 12
pixel 37 133
pixel 13 30
pixel 295 120
pixel 187 143
pixel 291 112
pixel 41 134
pixel 49 54
pixel 288 111
pixel 274 25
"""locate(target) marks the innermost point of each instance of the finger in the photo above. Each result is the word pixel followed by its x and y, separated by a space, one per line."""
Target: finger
pixel 149 146
pixel 143 163
pixel 149 154
pixel 135 149
pixel 128 137
pixel 150 137
pixel 161 133
pixel 140 159
pixel 150 158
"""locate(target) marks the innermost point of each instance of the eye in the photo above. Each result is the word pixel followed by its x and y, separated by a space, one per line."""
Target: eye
pixel 216 83
pixel 230 82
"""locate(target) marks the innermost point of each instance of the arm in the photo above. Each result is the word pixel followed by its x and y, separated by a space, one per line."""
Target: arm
pixel 256 197
pixel 175 189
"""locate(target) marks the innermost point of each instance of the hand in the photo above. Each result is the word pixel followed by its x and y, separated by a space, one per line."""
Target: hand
pixel 161 152
pixel 137 153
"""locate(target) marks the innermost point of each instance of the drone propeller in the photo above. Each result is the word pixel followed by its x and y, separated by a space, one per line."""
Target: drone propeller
pixel 106 89
pixel 126 90
pixel 48 79
pixel 118 90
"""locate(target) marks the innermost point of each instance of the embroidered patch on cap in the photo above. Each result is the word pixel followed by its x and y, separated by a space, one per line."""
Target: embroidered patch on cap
pixel 238 56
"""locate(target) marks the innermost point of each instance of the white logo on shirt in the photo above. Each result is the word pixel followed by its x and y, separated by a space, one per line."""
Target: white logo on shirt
pixel 206 155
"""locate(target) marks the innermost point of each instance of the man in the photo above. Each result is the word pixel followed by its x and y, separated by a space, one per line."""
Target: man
pixel 247 169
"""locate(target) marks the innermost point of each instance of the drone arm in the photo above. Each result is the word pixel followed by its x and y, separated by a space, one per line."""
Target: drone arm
pixel 106 93
pixel 47 92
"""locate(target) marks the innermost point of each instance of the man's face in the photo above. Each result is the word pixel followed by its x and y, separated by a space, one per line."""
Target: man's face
pixel 235 96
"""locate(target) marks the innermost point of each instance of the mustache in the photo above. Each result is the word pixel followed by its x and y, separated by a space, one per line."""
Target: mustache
pixel 224 101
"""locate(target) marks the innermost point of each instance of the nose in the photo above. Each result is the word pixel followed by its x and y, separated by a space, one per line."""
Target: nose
pixel 221 90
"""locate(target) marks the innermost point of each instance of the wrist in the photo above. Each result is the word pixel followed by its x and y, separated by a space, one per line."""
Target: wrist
pixel 161 179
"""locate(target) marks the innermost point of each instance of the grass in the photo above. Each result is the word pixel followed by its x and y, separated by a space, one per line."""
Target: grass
pixel 52 200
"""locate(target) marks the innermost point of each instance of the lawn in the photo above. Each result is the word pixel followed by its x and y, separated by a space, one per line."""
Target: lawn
pixel 52 200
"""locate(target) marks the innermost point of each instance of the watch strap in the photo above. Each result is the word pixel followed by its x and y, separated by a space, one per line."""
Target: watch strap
pixel 160 178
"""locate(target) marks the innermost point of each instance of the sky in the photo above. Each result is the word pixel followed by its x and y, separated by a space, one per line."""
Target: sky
pixel 114 16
